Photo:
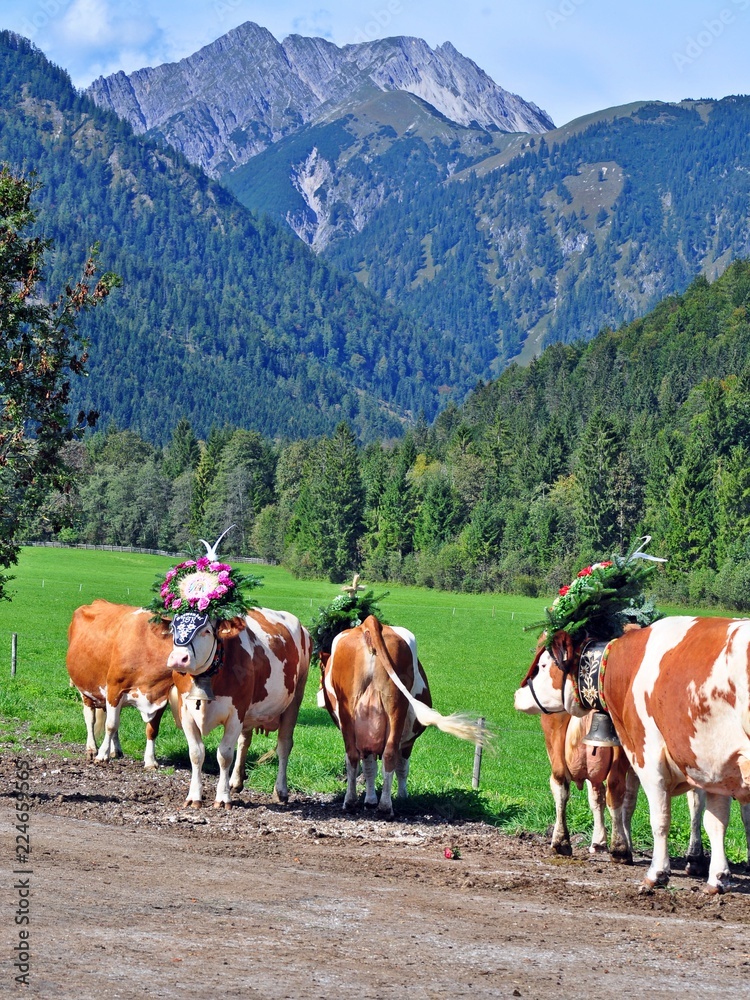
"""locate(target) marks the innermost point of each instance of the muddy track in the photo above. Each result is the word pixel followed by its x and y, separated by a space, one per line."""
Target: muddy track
pixel 132 896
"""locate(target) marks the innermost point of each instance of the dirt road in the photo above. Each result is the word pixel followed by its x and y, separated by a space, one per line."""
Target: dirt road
pixel 132 896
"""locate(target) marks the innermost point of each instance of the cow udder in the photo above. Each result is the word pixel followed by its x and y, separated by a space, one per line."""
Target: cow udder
pixel 370 723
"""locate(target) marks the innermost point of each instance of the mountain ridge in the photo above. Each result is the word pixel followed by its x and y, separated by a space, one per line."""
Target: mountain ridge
pixel 221 107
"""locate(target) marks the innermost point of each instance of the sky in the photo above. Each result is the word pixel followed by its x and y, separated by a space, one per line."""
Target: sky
pixel 570 57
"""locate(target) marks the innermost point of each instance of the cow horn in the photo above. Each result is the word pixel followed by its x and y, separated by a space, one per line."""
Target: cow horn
pixel 211 549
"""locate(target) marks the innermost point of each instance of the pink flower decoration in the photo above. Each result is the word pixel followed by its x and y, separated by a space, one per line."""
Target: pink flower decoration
pixel 177 604
pixel 202 563
pixel 203 603
pixel 171 574
pixel 164 589
pixel 586 571
pixel 167 601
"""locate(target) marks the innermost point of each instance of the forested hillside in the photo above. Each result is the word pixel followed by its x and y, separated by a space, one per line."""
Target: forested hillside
pixel 643 430
pixel 222 317
pixel 552 239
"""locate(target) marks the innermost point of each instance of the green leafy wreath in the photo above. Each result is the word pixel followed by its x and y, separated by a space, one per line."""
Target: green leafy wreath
pixel 604 598
pixel 345 611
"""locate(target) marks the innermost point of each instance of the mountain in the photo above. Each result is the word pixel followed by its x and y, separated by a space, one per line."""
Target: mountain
pixel 223 318
pixel 506 243
pixel 245 91
pixel 550 238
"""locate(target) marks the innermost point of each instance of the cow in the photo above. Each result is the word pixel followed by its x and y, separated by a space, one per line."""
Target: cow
pixel 246 674
pixel 117 656
pixel 609 781
pixel 678 693
pixel 376 692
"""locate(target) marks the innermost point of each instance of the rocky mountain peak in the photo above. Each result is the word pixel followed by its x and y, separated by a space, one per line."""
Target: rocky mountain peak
pixel 245 91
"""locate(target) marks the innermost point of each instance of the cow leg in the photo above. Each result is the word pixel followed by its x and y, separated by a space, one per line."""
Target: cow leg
pixel 237 781
pixel 224 757
pixel 597 801
pixel 620 810
pixel 402 773
pixel 385 806
pixel 284 742
pixel 370 771
pixel 696 864
pixel 716 820
pixel 197 756
pixel 560 789
pixel 660 814
pixel 745 811
pixel 152 731
pixel 89 717
pixel 111 743
pixel 352 766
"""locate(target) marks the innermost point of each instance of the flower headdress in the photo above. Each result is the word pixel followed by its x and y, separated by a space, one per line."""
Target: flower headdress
pixel 204 585
pixel 603 598
pixel 345 611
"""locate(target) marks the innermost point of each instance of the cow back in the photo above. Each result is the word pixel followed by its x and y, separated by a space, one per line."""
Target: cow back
pixel 116 645
pixel 263 665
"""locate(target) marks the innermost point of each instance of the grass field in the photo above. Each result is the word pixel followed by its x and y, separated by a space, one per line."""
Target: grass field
pixel 473 648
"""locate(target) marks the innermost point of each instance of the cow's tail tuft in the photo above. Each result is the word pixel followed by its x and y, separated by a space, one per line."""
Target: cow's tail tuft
pixel 464 727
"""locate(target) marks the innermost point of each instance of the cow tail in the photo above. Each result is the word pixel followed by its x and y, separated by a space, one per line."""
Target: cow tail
pixel 464 727
pixel 100 720
pixel 174 704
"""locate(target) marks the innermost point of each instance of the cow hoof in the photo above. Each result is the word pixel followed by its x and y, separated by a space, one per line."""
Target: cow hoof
pixel 101 761
pixel 649 884
pixel 696 867
pixel 621 857
pixel 280 800
pixel 151 766
pixel 193 804
pixel 91 756
pixel 563 849
pixel 222 805
pixel 237 788
pixel 371 805
pixel 598 849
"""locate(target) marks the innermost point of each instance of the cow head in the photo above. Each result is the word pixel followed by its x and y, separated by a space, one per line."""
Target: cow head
pixel 550 684
pixel 196 641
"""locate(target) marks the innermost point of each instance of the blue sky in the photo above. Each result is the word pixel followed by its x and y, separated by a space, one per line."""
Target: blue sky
pixel 568 56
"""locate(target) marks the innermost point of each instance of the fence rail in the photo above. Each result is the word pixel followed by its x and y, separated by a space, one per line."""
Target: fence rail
pixel 134 548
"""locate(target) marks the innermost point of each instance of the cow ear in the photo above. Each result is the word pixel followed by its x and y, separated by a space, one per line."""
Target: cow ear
pixel 231 627
pixel 561 649
pixel 162 627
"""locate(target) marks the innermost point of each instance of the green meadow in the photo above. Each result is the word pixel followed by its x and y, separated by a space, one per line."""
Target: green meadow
pixel 473 647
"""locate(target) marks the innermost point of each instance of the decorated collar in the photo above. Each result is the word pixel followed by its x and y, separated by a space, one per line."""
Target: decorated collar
pixel 592 665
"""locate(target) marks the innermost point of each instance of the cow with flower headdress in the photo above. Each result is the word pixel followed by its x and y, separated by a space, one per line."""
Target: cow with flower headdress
pixel 677 691
pixel 233 665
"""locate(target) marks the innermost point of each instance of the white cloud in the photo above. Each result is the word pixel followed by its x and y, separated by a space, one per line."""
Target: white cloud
pixel 318 23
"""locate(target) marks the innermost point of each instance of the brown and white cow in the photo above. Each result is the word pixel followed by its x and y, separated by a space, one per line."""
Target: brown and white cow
pixel 376 692
pixel 679 696
pixel 609 779
pixel 117 656
pixel 257 667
